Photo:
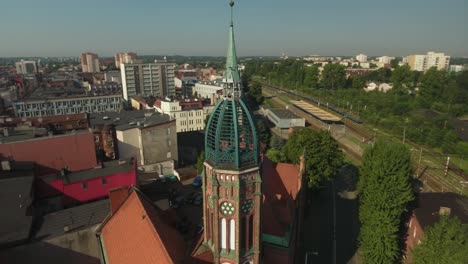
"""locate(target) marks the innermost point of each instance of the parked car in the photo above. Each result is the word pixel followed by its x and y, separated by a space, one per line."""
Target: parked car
pixel 197 182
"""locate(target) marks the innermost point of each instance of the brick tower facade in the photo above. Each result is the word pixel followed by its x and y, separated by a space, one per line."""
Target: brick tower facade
pixel 231 179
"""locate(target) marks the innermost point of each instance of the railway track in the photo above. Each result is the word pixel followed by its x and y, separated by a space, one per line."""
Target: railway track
pixel 435 177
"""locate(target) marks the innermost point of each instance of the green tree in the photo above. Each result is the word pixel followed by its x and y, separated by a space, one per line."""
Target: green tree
pixel 333 76
pixel 312 75
pixel 446 242
pixel 264 133
pixel 323 156
pixel 433 83
pixel 385 190
pixel 200 161
pixel 402 79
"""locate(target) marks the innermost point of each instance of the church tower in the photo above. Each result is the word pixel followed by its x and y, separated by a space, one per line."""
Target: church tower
pixel 231 180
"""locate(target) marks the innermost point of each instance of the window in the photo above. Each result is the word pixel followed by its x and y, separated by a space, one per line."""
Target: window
pixel 104 181
pixel 232 235
pixel 84 186
pixel 223 234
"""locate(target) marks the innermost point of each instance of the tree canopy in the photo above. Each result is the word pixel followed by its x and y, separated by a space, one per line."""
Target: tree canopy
pixel 446 242
pixel 384 190
pixel 323 157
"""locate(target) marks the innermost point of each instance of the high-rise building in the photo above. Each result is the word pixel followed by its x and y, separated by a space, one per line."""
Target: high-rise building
pixel 431 59
pixel 90 62
pixel 26 67
pixel 361 58
pixel 125 57
pixel 156 79
pixel 385 59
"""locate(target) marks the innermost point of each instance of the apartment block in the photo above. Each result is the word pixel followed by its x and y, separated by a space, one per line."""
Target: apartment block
pixel 361 58
pixel 190 114
pixel 431 59
pixel 89 62
pixel 66 106
pixel 26 67
pixel 156 79
pixel 125 57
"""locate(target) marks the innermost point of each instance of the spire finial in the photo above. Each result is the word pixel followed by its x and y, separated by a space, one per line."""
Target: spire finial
pixel 231 4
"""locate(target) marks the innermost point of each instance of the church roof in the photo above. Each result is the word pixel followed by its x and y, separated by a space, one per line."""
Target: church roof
pixel 281 184
pixel 138 232
pixel 231 140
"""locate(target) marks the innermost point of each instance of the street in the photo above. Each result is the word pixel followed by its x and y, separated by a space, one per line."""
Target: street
pixel 320 228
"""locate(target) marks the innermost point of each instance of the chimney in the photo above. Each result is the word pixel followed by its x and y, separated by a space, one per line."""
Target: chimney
pixel 444 211
pixel 6 166
pixel 117 197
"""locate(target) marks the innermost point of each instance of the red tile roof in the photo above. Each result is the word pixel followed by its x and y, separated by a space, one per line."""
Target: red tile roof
pixel 281 183
pixel 51 154
pixel 138 233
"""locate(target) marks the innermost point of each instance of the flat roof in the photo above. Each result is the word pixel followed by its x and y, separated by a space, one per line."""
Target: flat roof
pixel 128 119
pixel 283 113
pixel 18 135
pixel 72 219
pixel 316 111
pixel 109 168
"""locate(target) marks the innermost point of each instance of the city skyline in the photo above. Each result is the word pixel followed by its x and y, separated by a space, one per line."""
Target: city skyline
pixel 330 28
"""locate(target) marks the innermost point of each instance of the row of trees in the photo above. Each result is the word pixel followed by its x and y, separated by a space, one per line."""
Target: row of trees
pixel 442 96
pixel 385 191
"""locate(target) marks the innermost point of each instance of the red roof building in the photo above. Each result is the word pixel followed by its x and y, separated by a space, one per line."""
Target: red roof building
pixel 430 207
pixel 74 151
pixel 139 232
pixel 88 185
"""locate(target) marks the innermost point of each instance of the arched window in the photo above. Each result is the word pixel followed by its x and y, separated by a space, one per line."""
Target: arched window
pixel 232 235
pixel 223 234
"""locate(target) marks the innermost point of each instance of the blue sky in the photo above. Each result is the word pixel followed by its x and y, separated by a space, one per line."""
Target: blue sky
pixel 188 27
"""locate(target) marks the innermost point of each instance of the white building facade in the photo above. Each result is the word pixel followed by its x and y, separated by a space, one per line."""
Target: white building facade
pixel 431 59
pixel 361 58
pixel 64 106
pixel 26 67
pixel 186 120
pixel 208 90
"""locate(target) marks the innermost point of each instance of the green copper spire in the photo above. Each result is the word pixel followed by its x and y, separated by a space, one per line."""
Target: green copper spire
pixel 231 76
pixel 231 140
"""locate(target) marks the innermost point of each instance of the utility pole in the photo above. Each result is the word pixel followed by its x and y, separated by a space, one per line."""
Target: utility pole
pixel 447 166
pixel 419 162
pixel 404 135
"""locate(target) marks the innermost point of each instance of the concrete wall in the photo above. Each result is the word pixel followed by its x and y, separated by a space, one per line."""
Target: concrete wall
pixel 159 143
pixel 129 142
pixel 83 241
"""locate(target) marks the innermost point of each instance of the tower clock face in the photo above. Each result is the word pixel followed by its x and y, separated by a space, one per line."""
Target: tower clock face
pixel 247 206
pixel 227 208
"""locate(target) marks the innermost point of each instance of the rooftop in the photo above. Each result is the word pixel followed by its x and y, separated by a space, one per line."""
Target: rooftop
pixel 148 239
pixel 19 134
pixel 283 113
pixel 429 204
pixel 128 119
pixel 15 201
pixel 316 111
pixel 66 93
pixel 108 168
pixel 72 219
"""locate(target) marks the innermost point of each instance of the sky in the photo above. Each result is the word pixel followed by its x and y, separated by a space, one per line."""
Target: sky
pixel 262 28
